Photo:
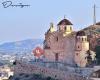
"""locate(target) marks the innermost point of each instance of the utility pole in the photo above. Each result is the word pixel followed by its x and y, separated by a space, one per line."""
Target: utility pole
pixel 64 16
pixel 94 14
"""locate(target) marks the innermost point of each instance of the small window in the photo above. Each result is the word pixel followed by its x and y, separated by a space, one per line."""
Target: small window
pixel 65 27
pixel 78 47
pixel 77 54
pixel 57 39
pixel 85 39
pixel 82 39
pixel 56 57
pixel 71 28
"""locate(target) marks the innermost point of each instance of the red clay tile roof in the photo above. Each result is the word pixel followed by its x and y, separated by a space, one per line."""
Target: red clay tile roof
pixel 65 22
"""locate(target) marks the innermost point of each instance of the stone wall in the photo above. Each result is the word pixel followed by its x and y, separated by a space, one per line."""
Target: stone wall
pixel 64 46
pixel 54 73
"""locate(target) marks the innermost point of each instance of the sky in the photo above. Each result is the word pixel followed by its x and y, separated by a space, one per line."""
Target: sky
pixel 32 22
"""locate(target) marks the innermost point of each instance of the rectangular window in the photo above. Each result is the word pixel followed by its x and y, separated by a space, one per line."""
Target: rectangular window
pixel 77 54
pixel 56 57
pixel 57 39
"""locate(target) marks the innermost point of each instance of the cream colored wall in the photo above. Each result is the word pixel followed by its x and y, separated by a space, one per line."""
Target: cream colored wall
pixel 52 29
pixel 80 58
pixel 68 28
pixel 67 31
pixel 84 46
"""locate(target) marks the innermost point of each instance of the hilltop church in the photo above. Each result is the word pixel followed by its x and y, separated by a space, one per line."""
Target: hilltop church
pixel 66 46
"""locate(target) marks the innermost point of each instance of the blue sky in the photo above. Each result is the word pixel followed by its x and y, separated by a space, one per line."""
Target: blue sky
pixel 32 22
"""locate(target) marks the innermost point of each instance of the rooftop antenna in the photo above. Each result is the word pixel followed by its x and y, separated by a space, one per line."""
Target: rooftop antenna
pixel 64 16
pixel 94 14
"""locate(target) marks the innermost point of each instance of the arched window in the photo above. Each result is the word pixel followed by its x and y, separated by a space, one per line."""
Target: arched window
pixel 65 28
pixel 56 57
pixel 57 39
pixel 70 28
pixel 85 39
pixel 78 47
pixel 82 39
pixel 77 54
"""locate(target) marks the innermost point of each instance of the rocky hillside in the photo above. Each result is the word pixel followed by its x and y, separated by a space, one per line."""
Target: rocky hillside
pixel 93 32
pixel 92 29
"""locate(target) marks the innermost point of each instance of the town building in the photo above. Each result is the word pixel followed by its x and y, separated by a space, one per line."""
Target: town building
pixel 5 72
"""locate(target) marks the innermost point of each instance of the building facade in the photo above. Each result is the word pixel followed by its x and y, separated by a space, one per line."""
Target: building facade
pixel 65 45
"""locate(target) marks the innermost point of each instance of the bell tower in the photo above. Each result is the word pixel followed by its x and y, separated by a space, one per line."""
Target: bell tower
pixel 52 29
pixel 81 47
pixel 65 26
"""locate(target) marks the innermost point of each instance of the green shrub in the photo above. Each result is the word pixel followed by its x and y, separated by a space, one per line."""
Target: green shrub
pixel 26 75
pixel 48 78
pixel 97 49
pixel 37 76
pixel 14 63
pixel 21 74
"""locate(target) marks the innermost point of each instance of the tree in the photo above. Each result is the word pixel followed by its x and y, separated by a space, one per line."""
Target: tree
pixel 91 56
pixel 97 49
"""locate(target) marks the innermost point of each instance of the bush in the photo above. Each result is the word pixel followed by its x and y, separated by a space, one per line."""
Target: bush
pixel 48 78
pixel 11 77
pixel 14 63
pixel 97 49
pixel 26 75
pixel 21 74
pixel 37 76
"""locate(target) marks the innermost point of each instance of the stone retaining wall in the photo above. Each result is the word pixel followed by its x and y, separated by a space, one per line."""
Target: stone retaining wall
pixel 54 73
